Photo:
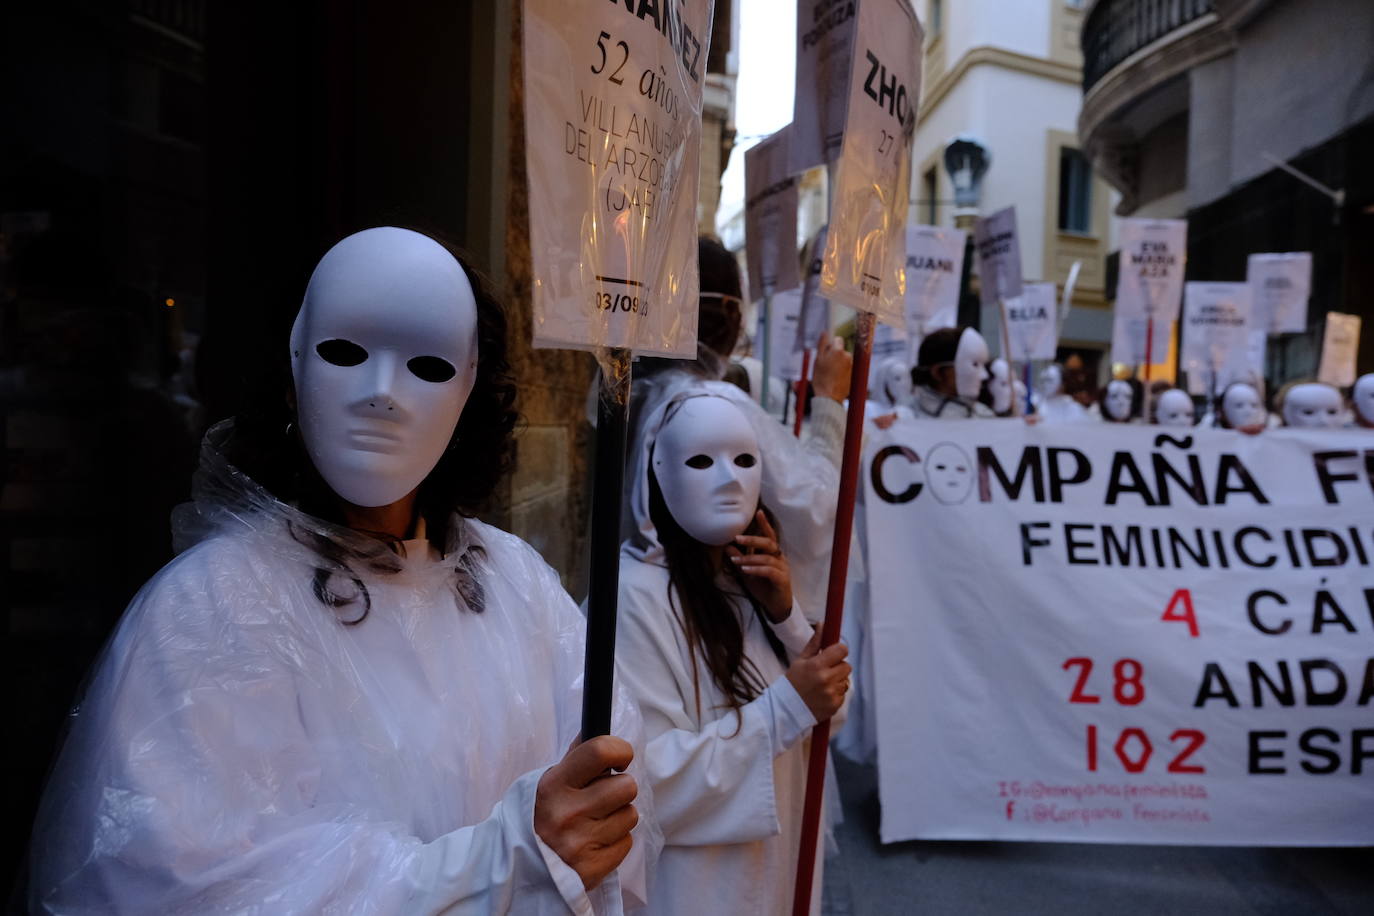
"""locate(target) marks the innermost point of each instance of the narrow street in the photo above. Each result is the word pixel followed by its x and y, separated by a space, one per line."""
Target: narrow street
pixel 869 879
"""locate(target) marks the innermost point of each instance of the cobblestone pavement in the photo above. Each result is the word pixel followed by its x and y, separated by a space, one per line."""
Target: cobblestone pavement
pixel 869 879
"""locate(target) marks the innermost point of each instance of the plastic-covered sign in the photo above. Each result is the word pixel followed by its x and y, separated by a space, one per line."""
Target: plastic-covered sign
pixel 770 217
pixel 1150 280
pixel 1279 288
pixel 1032 321
pixel 785 358
pixel 934 268
pixel 613 127
pixel 865 252
pixel 1216 330
pixel 999 256
pixel 825 39
pixel 815 308
pixel 1129 339
pixel 1340 345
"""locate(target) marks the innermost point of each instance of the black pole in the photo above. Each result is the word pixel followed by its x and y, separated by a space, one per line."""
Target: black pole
pixel 608 485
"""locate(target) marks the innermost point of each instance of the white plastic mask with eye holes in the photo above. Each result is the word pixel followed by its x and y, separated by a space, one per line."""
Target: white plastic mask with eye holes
pixel 1241 406
pixel 999 386
pixel 1363 398
pixel 1312 405
pixel 970 364
pixel 1116 402
pixel 1175 408
pixel 384 356
pixel 894 383
pixel 1050 381
pixel 708 466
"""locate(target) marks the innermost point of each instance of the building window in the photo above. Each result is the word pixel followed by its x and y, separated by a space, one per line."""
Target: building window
pixel 1075 192
pixel 937 17
pixel 930 184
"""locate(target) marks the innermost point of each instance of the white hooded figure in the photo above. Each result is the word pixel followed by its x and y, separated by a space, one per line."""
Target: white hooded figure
pixel 952 367
pixel 1362 401
pixel 1000 387
pixel 727 733
pixel 1313 405
pixel 1052 404
pixel 303 715
pixel 1175 408
pixel 1242 407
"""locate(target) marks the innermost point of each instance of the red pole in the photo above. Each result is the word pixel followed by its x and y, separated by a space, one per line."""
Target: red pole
pixel 834 605
pixel 801 392
pixel 1149 351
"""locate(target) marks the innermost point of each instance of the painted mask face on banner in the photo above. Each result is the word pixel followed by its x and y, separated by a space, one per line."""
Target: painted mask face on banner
pixel 894 383
pixel 1242 406
pixel 949 473
pixel 1363 398
pixel 1050 381
pixel 999 385
pixel 970 364
pixel 708 466
pixel 1116 403
pixel 1312 406
pixel 1175 408
pixel 384 355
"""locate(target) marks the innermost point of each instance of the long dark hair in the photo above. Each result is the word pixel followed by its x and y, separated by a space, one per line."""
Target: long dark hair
pixel 936 352
pixel 705 613
pixel 267 446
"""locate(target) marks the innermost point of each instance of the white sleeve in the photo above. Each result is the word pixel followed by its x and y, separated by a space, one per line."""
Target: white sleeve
pixel 714 784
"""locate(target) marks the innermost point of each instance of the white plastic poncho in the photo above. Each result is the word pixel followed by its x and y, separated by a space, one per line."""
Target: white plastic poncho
pixel 728 789
pixel 242 749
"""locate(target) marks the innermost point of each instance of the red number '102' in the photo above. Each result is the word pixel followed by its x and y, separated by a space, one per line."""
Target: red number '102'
pixel 1134 749
pixel 1128 685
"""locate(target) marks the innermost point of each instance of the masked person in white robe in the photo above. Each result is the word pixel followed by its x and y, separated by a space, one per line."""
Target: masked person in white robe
pixel 1121 401
pixel 1311 405
pixel 951 368
pixel 1241 407
pixel 722 661
pixel 1362 401
pixel 346 694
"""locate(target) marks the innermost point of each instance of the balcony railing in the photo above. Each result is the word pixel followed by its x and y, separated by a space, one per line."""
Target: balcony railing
pixel 1116 29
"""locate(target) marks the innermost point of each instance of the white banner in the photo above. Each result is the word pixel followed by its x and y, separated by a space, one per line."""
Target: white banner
pixel 613 120
pixel 999 256
pixel 1216 334
pixel 1120 635
pixel 934 269
pixel 815 308
pixel 865 252
pixel 784 358
pixel 1280 285
pixel 1150 275
pixel 1340 346
pixel 770 217
pixel 825 39
pixel 1032 322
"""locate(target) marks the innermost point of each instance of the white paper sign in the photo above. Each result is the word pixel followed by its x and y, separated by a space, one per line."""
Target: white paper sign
pixel 1216 331
pixel 1280 285
pixel 934 269
pixel 1340 346
pixel 865 253
pixel 1032 319
pixel 1150 279
pixel 1103 634
pixel 825 39
pixel 785 360
pixel 1133 346
pixel 770 217
pixel 999 256
pixel 815 309
pixel 613 120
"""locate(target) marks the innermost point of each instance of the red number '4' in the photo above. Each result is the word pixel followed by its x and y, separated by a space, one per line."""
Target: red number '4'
pixel 1180 610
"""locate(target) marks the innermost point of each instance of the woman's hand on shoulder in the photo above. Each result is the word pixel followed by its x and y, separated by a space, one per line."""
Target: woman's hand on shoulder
pixel 764 569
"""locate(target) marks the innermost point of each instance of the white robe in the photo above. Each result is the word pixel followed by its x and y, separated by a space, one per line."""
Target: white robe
pixel 240 749
pixel 728 789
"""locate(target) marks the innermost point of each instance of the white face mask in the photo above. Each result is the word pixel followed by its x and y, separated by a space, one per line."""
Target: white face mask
pixel 1050 381
pixel 1241 406
pixel 1312 406
pixel 999 386
pixel 970 364
pixel 1175 408
pixel 707 463
pixel 384 355
pixel 1116 404
pixel 1363 396
pixel 894 383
